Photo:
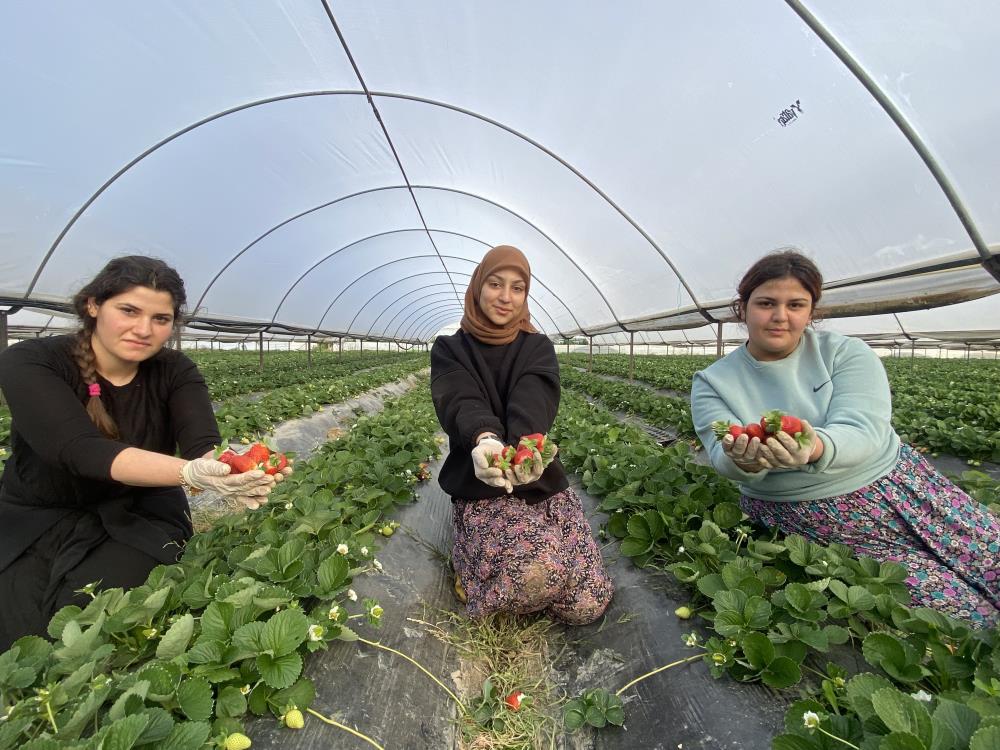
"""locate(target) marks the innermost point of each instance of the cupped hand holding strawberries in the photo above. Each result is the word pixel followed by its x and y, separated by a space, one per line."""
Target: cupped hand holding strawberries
pixel 778 441
pixel 508 466
pixel 784 450
pixel 491 464
pixel 248 488
pixel 245 478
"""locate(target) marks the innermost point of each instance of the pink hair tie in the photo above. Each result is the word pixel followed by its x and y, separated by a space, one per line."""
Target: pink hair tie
pixel 95 390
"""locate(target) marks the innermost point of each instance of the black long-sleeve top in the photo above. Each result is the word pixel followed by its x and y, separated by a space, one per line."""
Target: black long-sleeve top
pixel 512 390
pixel 60 462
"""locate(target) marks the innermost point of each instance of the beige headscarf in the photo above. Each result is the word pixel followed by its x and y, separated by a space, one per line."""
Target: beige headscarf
pixel 474 321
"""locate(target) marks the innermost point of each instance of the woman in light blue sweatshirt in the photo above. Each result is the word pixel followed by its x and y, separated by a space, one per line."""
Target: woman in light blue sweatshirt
pixel 848 479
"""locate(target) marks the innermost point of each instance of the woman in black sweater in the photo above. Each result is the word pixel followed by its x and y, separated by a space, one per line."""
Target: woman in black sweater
pixel 522 543
pixel 107 428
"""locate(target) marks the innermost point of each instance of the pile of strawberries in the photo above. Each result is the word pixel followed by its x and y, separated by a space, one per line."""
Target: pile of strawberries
pixel 771 423
pixel 523 454
pixel 257 456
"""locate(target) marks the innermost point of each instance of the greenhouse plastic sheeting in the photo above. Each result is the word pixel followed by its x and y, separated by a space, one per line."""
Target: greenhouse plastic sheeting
pixel 342 166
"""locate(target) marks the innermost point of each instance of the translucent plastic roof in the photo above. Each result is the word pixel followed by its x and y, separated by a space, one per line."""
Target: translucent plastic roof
pixel 342 167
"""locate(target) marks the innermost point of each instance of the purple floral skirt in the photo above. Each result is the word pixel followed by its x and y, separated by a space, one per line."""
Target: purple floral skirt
pixel 949 543
pixel 520 558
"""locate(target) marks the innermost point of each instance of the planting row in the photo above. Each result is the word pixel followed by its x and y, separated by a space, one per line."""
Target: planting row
pixel 673 372
pixel 241 418
pixel 777 607
pixel 181 661
pixel 233 373
pixel 660 411
pixel 939 405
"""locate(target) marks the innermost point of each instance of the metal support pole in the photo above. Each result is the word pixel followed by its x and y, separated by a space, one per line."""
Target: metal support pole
pixel 177 339
pixel 590 360
pixel 3 330
pixel 718 339
pixel 309 349
pixel 340 346
pixel 631 355
pixel 260 349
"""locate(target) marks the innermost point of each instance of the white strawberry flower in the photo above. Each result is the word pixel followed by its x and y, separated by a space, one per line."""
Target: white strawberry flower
pixel 364 551
pixel 315 633
pixel 923 695
pixel 377 564
pixel 691 640
pixel 342 549
pixel 810 719
pixel 352 595
pixel 334 612
pixel 289 506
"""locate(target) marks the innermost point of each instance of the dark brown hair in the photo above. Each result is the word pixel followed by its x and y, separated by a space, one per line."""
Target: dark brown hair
pixel 780 264
pixel 117 277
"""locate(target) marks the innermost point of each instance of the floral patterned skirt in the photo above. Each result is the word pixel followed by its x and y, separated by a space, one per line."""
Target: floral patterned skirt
pixel 520 558
pixel 949 543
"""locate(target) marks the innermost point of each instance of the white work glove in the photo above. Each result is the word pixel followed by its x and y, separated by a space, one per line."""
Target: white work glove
pixel 529 470
pixel 745 453
pixel 783 451
pixel 494 476
pixel 249 488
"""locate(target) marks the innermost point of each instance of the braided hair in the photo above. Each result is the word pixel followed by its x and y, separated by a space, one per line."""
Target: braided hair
pixel 117 277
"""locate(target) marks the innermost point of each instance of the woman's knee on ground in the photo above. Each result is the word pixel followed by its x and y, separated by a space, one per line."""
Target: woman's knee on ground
pixel 538 583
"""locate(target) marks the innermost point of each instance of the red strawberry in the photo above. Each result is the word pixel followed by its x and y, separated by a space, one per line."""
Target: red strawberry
pixel 503 459
pixel 275 463
pixel 513 700
pixel 535 440
pixel 225 456
pixel 721 429
pixel 259 453
pixel 523 454
pixel 776 421
pixel 241 463
pixel 754 430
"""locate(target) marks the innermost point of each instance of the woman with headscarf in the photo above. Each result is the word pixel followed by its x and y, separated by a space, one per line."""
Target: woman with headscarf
pixel 522 543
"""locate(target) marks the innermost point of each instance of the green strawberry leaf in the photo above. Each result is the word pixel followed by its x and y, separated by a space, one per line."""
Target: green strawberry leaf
pixel 985 739
pixel 902 713
pixel 195 698
pixel 187 735
pixel 333 572
pixel 284 632
pixel 123 734
pixel 301 694
pixel 280 672
pixel 901 741
pixel 959 718
pixel 758 650
pixel 231 702
pixel 782 672
pixel 175 640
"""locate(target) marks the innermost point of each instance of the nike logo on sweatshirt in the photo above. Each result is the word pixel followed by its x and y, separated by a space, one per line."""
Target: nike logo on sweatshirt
pixel 816 388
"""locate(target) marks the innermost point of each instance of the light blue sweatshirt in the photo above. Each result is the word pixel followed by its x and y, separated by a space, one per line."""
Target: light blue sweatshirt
pixel 835 383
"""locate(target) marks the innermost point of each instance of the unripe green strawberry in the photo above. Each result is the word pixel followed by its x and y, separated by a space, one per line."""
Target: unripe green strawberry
pixel 237 741
pixel 387 530
pixel 683 612
pixel 294 719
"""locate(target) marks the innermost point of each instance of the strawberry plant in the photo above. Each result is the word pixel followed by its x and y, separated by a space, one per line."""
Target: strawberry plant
pixel 184 659
pixel 780 607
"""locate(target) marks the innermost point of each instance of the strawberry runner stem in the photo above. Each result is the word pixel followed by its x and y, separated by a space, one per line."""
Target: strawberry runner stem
pixel 337 724
pixel 419 666
pixel 657 670
pixel 835 737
